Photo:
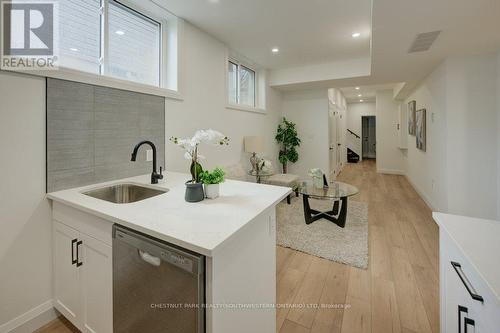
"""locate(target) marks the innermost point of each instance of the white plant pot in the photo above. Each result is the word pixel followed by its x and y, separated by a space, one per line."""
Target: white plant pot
pixel 212 191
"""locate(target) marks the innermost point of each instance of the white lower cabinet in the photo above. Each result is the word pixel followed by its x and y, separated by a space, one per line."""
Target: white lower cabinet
pixel 66 274
pixel 83 279
pixel 467 303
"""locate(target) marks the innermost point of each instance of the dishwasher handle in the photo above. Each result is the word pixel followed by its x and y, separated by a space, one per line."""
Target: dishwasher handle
pixel 150 259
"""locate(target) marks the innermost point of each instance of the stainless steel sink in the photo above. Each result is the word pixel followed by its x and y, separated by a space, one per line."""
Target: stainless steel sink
pixel 125 193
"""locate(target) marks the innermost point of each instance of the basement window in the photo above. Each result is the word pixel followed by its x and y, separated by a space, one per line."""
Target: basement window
pixel 106 37
pixel 242 84
pixel 131 45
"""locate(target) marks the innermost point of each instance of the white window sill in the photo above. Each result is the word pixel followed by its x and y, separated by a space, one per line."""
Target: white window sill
pixel 104 81
pixel 245 108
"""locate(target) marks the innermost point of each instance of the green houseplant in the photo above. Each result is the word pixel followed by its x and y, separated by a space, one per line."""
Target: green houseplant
pixel 289 140
pixel 211 180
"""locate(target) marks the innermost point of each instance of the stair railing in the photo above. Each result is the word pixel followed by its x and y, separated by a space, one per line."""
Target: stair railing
pixel 348 130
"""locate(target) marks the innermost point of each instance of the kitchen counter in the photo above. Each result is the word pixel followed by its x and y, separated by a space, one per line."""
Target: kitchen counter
pixel 200 227
pixel 479 242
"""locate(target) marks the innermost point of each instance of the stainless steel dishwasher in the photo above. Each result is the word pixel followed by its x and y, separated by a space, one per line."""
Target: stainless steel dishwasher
pixel 157 287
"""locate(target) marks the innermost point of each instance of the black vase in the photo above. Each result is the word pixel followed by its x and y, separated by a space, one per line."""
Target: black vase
pixel 194 192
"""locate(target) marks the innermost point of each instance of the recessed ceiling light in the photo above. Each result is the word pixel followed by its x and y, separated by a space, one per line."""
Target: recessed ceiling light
pixel 120 32
pixel 357 88
pixel 361 100
pixel 355 34
pixel 360 95
pixel 74 49
pixel 275 50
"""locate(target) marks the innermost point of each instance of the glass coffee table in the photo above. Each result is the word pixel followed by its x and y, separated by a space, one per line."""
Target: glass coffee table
pixel 337 192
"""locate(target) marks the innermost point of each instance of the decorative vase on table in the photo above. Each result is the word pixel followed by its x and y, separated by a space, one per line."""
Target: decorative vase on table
pixel 317 177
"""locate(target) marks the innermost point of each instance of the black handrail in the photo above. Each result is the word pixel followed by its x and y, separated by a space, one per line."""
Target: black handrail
pixel 348 130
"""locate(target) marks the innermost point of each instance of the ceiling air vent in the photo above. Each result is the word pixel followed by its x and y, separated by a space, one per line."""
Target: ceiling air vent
pixel 424 41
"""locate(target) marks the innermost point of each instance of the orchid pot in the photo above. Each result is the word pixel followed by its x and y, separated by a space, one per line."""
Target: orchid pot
pixel 194 192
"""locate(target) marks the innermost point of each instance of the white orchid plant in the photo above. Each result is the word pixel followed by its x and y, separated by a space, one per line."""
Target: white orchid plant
pixel 190 145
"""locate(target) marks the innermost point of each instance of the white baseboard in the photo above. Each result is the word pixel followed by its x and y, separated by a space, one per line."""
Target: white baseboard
pixel 391 172
pixel 424 196
pixel 31 320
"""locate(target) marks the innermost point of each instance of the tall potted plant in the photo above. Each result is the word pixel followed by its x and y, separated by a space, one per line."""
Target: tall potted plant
pixel 289 140
pixel 194 187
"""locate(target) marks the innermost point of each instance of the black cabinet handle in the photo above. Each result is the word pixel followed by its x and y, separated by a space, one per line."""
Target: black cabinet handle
pixel 73 259
pixel 466 282
pixel 468 322
pixel 78 262
pixel 461 309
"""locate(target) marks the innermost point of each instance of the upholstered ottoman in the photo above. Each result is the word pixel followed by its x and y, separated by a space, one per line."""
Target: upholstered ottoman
pixel 285 180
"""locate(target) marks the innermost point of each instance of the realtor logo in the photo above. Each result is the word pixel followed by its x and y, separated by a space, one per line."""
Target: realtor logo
pixel 28 34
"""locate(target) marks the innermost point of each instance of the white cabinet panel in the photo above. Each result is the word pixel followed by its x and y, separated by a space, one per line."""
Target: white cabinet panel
pixel 83 289
pixel 457 289
pixel 66 277
pixel 97 288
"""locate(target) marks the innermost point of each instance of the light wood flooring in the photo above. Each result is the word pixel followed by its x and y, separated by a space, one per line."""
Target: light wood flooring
pixel 399 292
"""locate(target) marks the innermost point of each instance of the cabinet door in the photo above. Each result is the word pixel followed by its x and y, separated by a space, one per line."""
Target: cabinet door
pixel 96 286
pixel 66 276
pixel 456 296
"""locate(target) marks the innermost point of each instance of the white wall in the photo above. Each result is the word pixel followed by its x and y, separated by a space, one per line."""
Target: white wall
pixel 472 135
pixel 458 173
pixel 354 113
pixel 309 110
pixel 427 170
pixel 25 237
pixel 204 106
pixel 25 240
pixel 389 156
pixel 498 131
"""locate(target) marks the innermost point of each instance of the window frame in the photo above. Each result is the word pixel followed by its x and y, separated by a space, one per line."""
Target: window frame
pixel 170 49
pixel 104 54
pixel 230 61
pixel 256 107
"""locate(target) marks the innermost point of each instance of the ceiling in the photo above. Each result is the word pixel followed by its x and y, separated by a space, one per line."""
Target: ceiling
pixel 367 93
pixel 305 31
pixel 319 32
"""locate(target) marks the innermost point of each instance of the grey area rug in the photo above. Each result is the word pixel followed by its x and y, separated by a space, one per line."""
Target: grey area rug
pixel 323 238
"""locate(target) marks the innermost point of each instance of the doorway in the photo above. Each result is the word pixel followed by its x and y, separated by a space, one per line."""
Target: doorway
pixel 368 133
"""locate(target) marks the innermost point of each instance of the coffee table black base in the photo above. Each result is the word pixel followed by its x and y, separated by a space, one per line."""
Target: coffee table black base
pixel 337 215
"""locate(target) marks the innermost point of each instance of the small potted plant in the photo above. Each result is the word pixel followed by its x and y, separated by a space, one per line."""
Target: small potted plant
pixel 211 180
pixel 194 187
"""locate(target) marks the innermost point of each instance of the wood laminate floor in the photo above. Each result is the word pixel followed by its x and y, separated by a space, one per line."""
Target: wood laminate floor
pixel 399 292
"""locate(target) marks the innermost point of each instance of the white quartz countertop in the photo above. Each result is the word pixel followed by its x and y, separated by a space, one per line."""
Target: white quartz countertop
pixel 200 227
pixel 479 241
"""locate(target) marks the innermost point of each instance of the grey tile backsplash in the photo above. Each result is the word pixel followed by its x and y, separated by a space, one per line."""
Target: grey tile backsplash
pixel 92 130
